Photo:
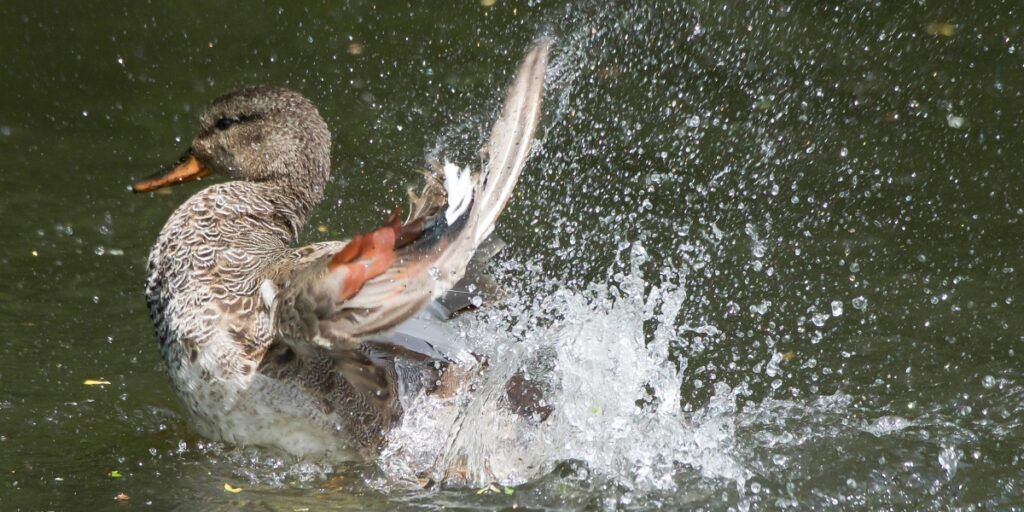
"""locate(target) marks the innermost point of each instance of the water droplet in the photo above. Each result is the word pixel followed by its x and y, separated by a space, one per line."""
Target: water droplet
pixel 837 308
pixel 860 303
pixel 819 319
pixel 954 121
pixel 949 459
pixel 988 382
pixel 638 253
pixel 693 121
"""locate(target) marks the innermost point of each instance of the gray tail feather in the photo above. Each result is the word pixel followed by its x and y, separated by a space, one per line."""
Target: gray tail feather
pixel 511 140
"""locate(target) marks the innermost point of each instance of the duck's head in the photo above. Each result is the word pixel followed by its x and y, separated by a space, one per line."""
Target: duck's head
pixel 259 134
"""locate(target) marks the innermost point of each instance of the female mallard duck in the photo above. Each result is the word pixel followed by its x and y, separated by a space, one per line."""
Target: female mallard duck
pixel 308 349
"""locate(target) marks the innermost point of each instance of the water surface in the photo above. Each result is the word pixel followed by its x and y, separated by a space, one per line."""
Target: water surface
pixel 768 256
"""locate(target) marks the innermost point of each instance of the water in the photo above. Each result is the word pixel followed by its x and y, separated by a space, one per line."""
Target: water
pixel 765 257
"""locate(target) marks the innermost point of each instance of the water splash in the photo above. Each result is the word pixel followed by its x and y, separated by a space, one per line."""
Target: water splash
pixel 611 383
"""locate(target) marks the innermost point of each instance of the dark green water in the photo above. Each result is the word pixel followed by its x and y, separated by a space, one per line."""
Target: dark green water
pixel 838 191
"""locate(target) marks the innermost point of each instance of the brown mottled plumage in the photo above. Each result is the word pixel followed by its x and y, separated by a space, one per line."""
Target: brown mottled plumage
pixel 299 348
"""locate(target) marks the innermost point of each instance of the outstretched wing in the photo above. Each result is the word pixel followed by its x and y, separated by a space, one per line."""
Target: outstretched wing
pixel 339 295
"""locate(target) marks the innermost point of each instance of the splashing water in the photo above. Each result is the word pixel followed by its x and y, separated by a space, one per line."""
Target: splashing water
pixel 604 356
pixel 614 395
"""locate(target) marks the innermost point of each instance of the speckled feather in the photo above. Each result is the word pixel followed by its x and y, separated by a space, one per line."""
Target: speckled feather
pixel 259 344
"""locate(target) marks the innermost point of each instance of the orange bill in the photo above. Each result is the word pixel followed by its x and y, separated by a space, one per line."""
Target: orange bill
pixel 189 169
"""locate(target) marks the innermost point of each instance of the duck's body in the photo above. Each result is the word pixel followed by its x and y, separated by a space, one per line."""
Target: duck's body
pixel 308 349
pixel 214 327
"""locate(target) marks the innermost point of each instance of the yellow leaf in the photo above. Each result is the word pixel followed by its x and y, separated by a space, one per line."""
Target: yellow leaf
pixel 230 488
pixel 96 382
pixel 940 29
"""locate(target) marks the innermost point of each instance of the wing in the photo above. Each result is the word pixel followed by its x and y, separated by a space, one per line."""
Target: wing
pixel 338 296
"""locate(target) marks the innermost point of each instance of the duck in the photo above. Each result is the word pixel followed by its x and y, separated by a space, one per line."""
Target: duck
pixel 309 349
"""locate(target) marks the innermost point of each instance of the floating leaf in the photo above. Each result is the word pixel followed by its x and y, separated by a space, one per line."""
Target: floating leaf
pixel 114 474
pixel 489 489
pixel 940 29
pixel 788 356
pixel 334 483
pixel 488 3
pixel 231 488
pixel 96 382
pixel 508 491
pixel 122 497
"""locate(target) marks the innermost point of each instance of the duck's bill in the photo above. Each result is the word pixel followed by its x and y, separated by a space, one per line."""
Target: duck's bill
pixel 188 169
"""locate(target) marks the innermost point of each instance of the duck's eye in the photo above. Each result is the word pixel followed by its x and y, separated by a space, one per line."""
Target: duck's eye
pixel 225 122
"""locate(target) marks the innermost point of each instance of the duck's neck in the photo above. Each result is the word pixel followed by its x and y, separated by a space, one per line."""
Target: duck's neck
pixel 285 203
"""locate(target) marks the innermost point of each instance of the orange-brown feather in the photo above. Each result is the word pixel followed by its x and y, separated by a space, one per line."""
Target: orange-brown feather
pixel 368 256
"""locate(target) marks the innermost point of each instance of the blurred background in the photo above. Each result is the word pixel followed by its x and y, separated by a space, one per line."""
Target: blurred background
pixel 813 209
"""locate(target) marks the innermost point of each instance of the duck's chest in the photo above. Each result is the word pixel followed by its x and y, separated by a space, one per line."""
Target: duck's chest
pixel 211 322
